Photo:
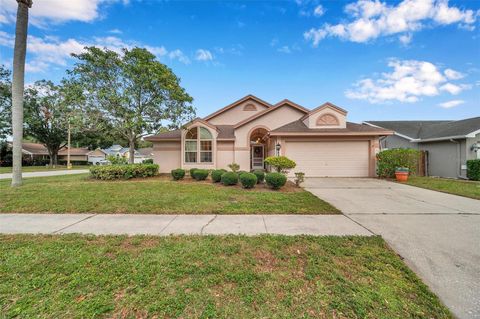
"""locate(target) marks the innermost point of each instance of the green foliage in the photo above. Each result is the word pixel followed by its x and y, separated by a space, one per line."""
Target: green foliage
pixel 229 178
pixel 200 174
pixel 248 180
pixel 117 160
pixel 299 178
pixel 260 175
pixel 112 172
pixel 281 164
pixel 148 161
pixel 5 102
pixel 389 160
pixel 241 172
pixel 234 167
pixel 131 91
pixel 217 175
pixel 275 180
pixel 178 174
pixel 192 171
pixel 473 169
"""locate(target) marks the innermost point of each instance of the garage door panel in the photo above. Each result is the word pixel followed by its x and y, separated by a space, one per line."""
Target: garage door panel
pixel 333 159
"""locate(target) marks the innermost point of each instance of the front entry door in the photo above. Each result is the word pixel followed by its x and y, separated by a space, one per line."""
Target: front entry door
pixel 257 157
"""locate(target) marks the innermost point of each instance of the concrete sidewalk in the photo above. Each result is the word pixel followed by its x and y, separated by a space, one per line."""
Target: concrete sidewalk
pixel 46 173
pixel 132 224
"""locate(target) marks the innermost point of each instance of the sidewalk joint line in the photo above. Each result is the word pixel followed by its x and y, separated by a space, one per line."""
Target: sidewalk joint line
pixel 206 225
pixel 353 220
pixel 75 223
pixel 265 224
pixel 165 227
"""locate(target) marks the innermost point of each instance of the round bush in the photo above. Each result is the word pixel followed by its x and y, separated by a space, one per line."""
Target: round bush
pixel 275 180
pixel 178 174
pixel 200 174
pixel 229 178
pixel 241 172
pixel 217 175
pixel 260 175
pixel 192 170
pixel 248 180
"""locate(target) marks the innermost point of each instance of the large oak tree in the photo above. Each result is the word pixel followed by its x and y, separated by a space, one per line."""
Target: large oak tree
pixel 135 94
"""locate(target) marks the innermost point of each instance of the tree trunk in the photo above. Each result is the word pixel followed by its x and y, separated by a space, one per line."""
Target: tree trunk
pixel 131 145
pixel 19 53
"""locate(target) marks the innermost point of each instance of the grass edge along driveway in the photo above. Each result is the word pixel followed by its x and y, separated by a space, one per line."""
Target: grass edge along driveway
pixel 209 277
pixel 470 189
pixel 159 195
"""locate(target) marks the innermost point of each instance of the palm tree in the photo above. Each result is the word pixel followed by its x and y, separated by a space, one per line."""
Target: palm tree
pixel 18 86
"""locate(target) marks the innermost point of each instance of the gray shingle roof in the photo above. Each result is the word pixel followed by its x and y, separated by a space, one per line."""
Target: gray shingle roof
pixel 300 127
pixel 423 130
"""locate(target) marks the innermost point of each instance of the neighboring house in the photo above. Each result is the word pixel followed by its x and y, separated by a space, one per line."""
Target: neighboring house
pixel 320 141
pixel 94 157
pixel 36 151
pixel 449 144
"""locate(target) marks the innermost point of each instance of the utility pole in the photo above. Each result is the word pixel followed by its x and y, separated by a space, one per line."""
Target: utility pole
pixel 69 166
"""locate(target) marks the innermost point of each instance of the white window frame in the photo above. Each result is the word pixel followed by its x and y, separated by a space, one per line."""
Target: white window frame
pixel 198 151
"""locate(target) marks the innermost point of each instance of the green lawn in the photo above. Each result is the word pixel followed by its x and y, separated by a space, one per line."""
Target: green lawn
pixel 41 168
pixel 74 276
pixel 453 186
pixel 159 195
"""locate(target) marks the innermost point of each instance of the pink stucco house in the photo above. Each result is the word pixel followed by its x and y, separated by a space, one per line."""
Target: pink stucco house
pixel 320 141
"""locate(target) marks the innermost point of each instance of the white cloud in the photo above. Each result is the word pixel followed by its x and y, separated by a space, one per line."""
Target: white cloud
pixel 203 55
pixel 56 11
pixel 450 104
pixel 115 31
pixel 370 19
pixel 318 11
pixel 405 39
pixel 409 81
pixel 43 53
pixel 452 74
pixel 284 49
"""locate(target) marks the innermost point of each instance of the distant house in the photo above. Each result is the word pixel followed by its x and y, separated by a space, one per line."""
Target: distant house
pixel 38 152
pixel 94 157
pixel 449 144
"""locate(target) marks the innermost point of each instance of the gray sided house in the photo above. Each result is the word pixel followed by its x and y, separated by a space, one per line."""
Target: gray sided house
pixel 449 144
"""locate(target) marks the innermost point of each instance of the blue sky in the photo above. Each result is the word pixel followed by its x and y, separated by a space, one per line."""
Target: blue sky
pixel 412 59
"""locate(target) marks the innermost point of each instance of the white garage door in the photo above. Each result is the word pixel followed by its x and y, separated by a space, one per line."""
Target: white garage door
pixel 332 159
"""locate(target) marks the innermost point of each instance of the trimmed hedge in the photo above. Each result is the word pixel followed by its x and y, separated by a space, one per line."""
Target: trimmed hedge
pixel 260 175
pixel 217 175
pixel 229 178
pixel 192 170
pixel 241 172
pixel 389 160
pixel 275 180
pixel 111 172
pixel 248 180
pixel 200 174
pixel 281 164
pixel 147 161
pixel 473 169
pixel 178 174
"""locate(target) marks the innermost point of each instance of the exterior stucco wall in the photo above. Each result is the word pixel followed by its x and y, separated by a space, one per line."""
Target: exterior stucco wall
pixel 469 142
pixel 445 158
pixel 395 141
pixel 236 114
pixel 225 154
pixel 311 121
pixel 167 155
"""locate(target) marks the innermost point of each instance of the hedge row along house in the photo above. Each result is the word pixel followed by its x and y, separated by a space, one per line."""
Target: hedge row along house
pixel 321 141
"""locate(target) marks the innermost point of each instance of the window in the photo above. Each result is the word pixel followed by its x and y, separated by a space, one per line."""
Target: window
pixel 198 146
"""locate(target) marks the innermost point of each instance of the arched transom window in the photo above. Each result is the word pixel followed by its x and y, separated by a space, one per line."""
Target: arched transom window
pixel 198 146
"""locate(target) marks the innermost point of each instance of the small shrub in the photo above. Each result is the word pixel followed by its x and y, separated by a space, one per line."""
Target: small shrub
pixel 117 160
pixel 248 180
pixel 147 161
pixel 217 175
pixel 260 176
pixel 281 164
pixel 299 178
pixel 192 170
pixel 178 174
pixel 389 160
pixel 229 178
pixel 473 169
pixel 275 180
pixel 234 167
pixel 112 172
pixel 200 174
pixel 241 172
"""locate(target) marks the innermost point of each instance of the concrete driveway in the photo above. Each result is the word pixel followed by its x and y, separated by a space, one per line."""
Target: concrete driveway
pixel 437 234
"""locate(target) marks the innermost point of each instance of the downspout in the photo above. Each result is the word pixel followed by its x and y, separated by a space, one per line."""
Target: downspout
pixel 459 165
